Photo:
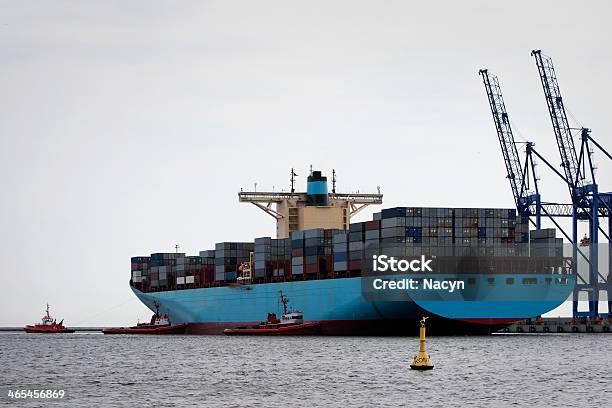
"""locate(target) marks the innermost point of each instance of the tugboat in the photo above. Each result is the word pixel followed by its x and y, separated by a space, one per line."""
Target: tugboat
pixel 291 323
pixel 48 325
pixel 159 324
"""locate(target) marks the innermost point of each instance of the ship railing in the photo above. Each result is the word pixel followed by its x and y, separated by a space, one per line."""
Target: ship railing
pixel 358 198
pixel 269 196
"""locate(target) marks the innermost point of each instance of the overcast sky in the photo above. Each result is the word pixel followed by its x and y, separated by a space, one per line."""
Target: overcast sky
pixel 128 127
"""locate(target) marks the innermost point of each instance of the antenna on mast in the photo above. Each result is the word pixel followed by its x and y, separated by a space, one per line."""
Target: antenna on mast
pixel 176 248
pixel 293 175
pixel 284 300
pixel 334 181
pixel 156 304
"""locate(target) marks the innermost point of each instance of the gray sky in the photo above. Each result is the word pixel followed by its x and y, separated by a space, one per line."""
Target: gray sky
pixel 128 127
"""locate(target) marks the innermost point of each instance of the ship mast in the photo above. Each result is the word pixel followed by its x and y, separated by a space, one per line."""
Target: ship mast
pixel 293 175
pixel 334 182
pixel 284 300
pixel 156 304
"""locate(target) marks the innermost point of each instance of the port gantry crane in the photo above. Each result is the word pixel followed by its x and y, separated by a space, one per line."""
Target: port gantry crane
pixel 521 176
pixel 528 203
pixel 588 204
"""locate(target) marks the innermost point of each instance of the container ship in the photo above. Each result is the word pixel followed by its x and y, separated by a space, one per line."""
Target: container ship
pixel 323 262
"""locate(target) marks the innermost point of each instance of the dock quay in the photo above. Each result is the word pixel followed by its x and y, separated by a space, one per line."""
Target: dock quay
pixel 561 325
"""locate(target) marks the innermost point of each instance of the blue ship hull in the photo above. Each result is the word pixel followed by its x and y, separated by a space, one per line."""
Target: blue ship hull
pixel 337 303
pixel 492 299
pixel 344 306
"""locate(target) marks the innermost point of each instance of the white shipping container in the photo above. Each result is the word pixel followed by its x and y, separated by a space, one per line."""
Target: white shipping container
pixel 180 281
pixel 189 279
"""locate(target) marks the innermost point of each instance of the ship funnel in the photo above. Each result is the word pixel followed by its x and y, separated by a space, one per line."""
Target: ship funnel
pixel 316 190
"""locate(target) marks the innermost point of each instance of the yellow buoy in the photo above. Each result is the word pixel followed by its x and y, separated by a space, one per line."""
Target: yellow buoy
pixel 421 361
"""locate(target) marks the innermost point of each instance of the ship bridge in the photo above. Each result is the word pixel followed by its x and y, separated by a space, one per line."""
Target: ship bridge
pixel 315 208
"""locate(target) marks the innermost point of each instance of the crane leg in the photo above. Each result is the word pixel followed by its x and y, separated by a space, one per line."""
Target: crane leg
pixel 575 296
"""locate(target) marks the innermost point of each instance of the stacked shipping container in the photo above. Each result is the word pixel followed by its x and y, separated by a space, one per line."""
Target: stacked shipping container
pixel 497 232
pixel 340 251
pixel 311 252
pixel 356 237
pixel 228 257
pixel 323 253
pixel 140 268
pixel 445 231
pixel 207 273
pixel 162 268
pixel 297 254
pixel 544 243
pixel 188 270
pixel 272 258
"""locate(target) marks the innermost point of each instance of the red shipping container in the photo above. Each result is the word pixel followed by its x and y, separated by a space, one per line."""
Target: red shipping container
pixel 287 269
pixel 207 274
pixel 372 225
pixel 297 252
pixel 311 268
pixel 354 265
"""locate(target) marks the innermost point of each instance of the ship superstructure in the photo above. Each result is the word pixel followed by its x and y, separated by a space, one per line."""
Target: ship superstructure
pixel 315 208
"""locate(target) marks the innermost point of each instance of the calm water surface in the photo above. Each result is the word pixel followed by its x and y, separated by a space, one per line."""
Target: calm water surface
pixel 565 370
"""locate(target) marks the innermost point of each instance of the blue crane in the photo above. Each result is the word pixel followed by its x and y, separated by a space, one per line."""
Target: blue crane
pixel 588 203
pixel 527 203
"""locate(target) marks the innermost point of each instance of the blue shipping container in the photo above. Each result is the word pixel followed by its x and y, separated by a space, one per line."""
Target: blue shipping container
pixel 393 212
pixel 340 256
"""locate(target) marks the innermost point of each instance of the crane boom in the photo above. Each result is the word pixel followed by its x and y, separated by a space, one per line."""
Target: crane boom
pixel 516 174
pixel 558 116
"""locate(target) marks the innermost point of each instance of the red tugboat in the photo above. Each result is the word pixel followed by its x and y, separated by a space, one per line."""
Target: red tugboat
pixel 159 324
pixel 48 325
pixel 290 324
